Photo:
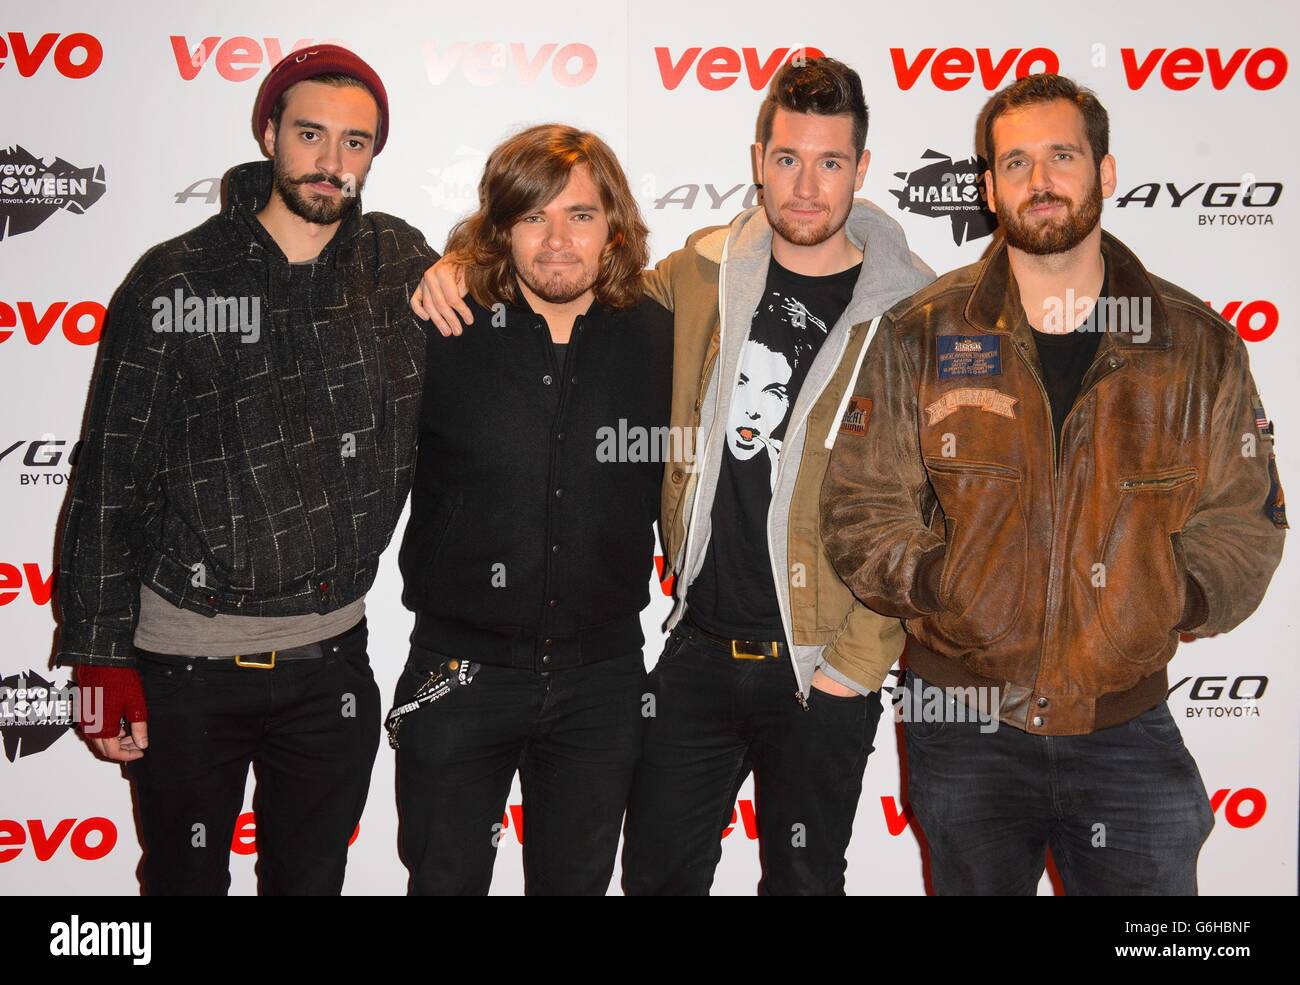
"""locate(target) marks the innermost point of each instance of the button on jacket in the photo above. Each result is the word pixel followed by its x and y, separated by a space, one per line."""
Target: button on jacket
pixel 256 470
pixel 1060 579
pixel 531 537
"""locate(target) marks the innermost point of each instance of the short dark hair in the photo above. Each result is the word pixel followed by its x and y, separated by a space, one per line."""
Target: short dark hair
pixel 823 86
pixel 1044 88
pixel 330 79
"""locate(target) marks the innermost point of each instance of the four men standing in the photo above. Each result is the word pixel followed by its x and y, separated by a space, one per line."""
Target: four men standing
pixel 1046 492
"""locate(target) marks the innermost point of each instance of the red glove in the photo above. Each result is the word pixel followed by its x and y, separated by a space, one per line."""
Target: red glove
pixel 123 697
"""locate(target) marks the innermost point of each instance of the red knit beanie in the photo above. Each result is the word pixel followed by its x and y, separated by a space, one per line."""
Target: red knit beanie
pixel 321 59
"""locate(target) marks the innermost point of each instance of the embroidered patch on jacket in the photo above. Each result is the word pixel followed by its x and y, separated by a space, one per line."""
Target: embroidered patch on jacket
pixel 1275 506
pixel 856 416
pixel 969 355
pixel 1262 423
pixel 993 401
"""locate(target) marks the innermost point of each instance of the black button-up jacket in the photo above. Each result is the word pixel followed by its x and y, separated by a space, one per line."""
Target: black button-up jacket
pixel 531 537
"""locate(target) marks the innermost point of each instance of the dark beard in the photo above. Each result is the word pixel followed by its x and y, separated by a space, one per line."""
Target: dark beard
pixel 311 208
pixel 804 237
pixel 1055 237
pixel 561 293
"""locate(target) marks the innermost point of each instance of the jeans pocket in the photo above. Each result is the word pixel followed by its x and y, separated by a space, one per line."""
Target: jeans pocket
pixel 164 682
pixel 1158 727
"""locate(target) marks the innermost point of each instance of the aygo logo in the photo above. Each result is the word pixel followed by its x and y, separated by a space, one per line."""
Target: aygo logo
pixel 50 458
pixel 488 63
pixel 80 322
pixel 953 68
pixel 89 839
pixel 1255 320
pixel 236 59
pixel 1183 68
pixel 719 68
pixel 75 56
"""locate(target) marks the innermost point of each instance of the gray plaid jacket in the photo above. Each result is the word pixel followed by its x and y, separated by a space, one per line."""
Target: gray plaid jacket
pixel 252 428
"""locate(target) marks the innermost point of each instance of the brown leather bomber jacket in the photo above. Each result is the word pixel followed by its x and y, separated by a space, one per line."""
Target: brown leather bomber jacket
pixel 1058 586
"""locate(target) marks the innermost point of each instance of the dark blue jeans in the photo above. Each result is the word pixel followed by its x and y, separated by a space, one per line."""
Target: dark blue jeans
pixel 309 728
pixel 573 735
pixel 716 718
pixel 1123 809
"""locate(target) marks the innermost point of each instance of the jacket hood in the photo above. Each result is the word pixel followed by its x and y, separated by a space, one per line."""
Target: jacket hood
pixel 890 272
pixel 247 189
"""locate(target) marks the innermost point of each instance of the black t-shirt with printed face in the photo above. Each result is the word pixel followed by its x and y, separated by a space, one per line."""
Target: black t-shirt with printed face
pixel 734 594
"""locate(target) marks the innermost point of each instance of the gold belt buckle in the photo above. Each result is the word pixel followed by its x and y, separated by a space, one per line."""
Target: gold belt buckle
pixel 737 655
pixel 241 662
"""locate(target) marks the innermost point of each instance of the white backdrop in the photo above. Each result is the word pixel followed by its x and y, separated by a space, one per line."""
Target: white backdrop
pixel 674 88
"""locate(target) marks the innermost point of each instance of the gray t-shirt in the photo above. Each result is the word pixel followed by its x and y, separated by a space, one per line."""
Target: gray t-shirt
pixel 166 628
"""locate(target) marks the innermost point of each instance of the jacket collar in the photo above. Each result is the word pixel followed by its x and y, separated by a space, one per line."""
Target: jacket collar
pixel 994 302
pixel 521 312
pixel 248 188
pixel 890 271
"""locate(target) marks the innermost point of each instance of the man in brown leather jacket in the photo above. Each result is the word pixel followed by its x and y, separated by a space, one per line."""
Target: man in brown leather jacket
pixel 1049 491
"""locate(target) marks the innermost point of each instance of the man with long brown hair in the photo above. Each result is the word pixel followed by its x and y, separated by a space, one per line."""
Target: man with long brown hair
pixel 529 549
pixel 773 314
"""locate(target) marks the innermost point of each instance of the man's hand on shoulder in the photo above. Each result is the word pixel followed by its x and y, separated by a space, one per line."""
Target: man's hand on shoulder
pixel 440 298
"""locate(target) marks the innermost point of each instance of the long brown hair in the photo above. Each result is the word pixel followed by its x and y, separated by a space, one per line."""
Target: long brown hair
pixel 523 174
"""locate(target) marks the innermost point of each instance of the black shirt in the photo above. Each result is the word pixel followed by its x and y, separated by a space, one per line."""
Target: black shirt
pixel 734 594
pixel 1065 359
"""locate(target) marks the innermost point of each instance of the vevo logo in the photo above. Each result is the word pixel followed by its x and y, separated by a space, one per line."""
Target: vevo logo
pixel 1254 320
pixel 1242 808
pixel 953 68
pixel 1183 68
pixel 89 839
pixel 12 577
pixel 80 322
pixel 75 55
pixel 236 59
pixel 719 68
pixel 489 63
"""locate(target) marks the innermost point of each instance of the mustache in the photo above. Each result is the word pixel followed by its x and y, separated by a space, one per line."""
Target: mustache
pixel 319 178
pixel 555 257
pixel 1047 198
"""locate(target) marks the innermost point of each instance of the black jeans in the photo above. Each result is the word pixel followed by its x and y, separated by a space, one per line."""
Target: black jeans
pixel 310 728
pixel 716 718
pixel 574 736
pixel 1124 808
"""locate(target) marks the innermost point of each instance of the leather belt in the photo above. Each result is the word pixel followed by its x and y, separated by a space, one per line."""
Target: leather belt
pixel 267 659
pixel 741 649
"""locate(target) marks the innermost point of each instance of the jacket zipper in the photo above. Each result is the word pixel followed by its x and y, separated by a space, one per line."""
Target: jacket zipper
pixel 1049 621
pixel 1163 483
pixel 799 694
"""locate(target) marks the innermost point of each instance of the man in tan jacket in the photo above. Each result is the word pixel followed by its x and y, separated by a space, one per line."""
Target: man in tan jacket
pixel 1064 463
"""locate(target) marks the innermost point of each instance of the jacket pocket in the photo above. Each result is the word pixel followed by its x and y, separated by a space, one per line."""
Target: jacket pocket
pixel 1141 597
pixel 423 543
pixel 983 585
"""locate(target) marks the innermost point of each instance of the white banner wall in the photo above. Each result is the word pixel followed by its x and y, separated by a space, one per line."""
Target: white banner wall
pixel 151 102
